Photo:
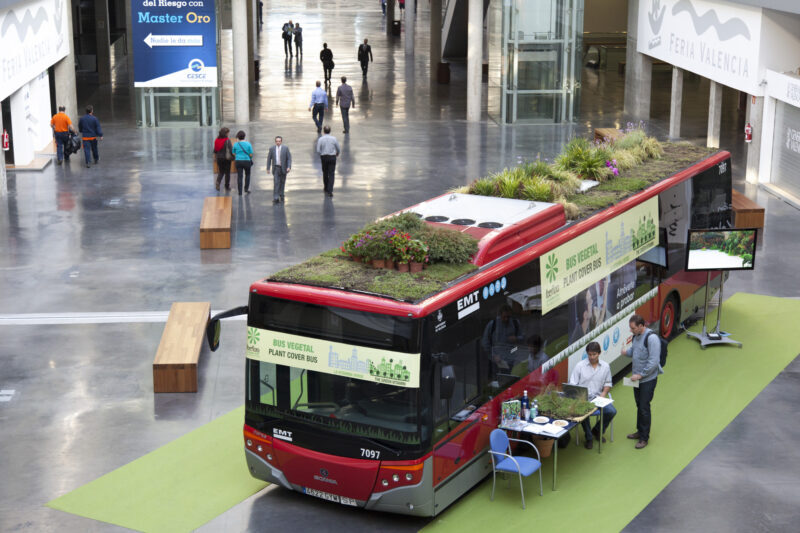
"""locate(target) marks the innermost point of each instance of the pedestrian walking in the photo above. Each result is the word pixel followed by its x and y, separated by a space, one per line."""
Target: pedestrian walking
pixel 91 132
pixel 243 152
pixel 62 126
pixel 286 33
pixel 383 7
pixel 279 160
pixel 318 105
pixel 326 56
pixel 223 151
pixel 298 39
pixel 344 99
pixel 328 150
pixel 402 5
pixel 364 56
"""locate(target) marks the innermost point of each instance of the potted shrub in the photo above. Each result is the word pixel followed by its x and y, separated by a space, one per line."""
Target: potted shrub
pixel 400 250
pixel 418 252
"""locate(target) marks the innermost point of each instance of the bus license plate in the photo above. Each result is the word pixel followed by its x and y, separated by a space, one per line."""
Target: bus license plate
pixel 330 497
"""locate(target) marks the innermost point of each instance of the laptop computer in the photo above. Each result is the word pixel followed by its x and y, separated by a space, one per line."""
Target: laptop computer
pixel 575 391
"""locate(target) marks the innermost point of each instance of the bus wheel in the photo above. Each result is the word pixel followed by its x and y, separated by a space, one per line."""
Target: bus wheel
pixel 669 317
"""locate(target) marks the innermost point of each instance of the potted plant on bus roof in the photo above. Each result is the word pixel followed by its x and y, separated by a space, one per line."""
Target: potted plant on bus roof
pixel 418 251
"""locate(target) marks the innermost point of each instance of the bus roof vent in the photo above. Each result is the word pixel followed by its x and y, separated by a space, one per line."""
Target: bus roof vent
pixel 477 211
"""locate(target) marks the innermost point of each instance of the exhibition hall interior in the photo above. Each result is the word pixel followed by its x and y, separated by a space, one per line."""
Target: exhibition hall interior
pixel 183 349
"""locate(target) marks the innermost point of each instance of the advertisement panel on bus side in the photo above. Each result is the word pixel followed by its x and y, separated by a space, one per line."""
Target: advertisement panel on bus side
pixel 358 362
pixel 591 256
pixel 174 43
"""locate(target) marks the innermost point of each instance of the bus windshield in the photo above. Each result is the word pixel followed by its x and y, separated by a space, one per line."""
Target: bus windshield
pixel 328 393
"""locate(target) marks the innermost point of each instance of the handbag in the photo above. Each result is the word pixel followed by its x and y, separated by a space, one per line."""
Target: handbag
pixel 228 150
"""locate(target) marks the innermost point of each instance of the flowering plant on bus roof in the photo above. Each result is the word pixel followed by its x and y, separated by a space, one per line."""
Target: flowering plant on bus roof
pixel 418 251
pixel 400 246
pixel 359 245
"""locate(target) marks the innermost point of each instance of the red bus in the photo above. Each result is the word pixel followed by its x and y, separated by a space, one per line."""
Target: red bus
pixel 371 402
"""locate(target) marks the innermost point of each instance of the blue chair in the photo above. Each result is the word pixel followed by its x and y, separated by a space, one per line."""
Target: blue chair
pixel 503 461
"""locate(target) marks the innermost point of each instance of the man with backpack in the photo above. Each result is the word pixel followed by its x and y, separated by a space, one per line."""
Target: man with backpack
pixel 500 338
pixel 646 354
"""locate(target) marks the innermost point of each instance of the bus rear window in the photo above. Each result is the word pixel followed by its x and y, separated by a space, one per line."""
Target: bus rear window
pixel 334 323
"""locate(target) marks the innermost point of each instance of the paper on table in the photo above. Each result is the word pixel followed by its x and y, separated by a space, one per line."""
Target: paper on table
pixel 628 382
pixel 601 402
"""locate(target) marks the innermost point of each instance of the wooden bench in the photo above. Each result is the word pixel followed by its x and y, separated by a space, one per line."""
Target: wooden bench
pixel 175 365
pixel 746 213
pixel 601 134
pixel 215 223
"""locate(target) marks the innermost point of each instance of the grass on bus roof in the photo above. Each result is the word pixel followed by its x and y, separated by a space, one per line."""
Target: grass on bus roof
pixel 677 156
pixel 334 269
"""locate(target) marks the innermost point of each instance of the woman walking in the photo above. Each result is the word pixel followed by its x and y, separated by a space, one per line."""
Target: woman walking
pixel 223 151
pixel 243 152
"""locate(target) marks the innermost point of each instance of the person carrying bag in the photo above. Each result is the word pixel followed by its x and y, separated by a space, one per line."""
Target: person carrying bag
pixel 243 152
pixel 223 151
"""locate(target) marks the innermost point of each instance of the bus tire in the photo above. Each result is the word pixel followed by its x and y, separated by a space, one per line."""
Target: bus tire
pixel 670 315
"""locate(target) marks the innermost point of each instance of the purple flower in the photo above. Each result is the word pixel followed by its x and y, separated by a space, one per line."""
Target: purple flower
pixel 616 172
pixel 614 162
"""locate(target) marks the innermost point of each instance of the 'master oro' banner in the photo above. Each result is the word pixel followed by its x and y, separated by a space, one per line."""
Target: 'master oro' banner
pixel 577 264
pixel 174 43
pixel 359 362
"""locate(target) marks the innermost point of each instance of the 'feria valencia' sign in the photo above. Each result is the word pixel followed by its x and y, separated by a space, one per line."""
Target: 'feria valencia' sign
pixel 33 36
pixel 174 43
pixel 359 362
pixel 573 266
pixel 717 40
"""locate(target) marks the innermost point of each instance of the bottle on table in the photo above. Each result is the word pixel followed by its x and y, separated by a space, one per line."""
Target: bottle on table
pixel 525 404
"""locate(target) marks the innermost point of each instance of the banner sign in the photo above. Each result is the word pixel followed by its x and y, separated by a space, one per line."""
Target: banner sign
pixel 613 335
pixel 33 36
pixel 718 40
pixel 359 362
pixel 174 43
pixel 590 257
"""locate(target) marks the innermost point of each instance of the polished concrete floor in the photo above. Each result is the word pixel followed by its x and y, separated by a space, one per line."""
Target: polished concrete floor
pixel 92 259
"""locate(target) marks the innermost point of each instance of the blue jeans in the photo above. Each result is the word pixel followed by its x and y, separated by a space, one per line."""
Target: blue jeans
pixel 318 114
pixel 643 394
pixel 90 145
pixel 62 138
pixel 609 412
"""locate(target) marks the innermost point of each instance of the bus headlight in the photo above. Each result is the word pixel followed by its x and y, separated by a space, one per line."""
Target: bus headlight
pixel 249 443
pixel 395 478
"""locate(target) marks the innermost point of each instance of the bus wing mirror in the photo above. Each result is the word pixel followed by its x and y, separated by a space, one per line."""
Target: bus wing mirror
pixel 214 328
pixel 447 382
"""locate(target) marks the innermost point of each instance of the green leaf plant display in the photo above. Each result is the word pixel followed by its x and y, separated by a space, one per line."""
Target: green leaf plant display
pixel 555 406
pixel 623 166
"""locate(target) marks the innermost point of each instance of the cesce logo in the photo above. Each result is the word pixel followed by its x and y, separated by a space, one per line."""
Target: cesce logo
pixel 196 65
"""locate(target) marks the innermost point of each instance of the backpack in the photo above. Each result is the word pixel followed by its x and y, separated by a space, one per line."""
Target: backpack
pixel 664 346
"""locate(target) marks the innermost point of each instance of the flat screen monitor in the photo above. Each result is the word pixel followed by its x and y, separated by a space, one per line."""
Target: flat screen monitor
pixel 721 249
pixel 658 254
pixel 575 391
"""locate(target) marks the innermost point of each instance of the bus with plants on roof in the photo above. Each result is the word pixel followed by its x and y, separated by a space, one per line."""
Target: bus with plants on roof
pixel 373 383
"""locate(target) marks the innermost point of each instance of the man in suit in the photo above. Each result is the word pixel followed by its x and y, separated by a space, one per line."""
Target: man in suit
pixel 279 160
pixel 286 33
pixel 364 56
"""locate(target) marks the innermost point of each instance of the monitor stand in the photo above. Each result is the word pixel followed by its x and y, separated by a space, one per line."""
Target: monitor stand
pixel 707 338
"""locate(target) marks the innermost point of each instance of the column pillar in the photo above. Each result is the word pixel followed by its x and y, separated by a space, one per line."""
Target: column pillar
pixel 474 60
pixel 638 72
pixel 676 103
pixel 251 44
pixel 410 19
pixel 66 91
pixel 714 115
pixel 436 38
pixel 755 116
pixel 241 92
pixel 103 40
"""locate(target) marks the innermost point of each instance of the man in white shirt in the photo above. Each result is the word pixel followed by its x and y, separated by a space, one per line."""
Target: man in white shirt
pixel 595 375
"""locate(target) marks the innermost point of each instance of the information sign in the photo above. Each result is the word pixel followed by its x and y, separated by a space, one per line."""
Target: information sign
pixel 174 43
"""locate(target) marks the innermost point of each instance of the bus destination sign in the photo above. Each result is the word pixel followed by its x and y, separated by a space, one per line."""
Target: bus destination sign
pixel 358 362
pixel 591 256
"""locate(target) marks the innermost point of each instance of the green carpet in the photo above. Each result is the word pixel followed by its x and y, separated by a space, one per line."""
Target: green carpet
pixel 698 395
pixel 178 487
